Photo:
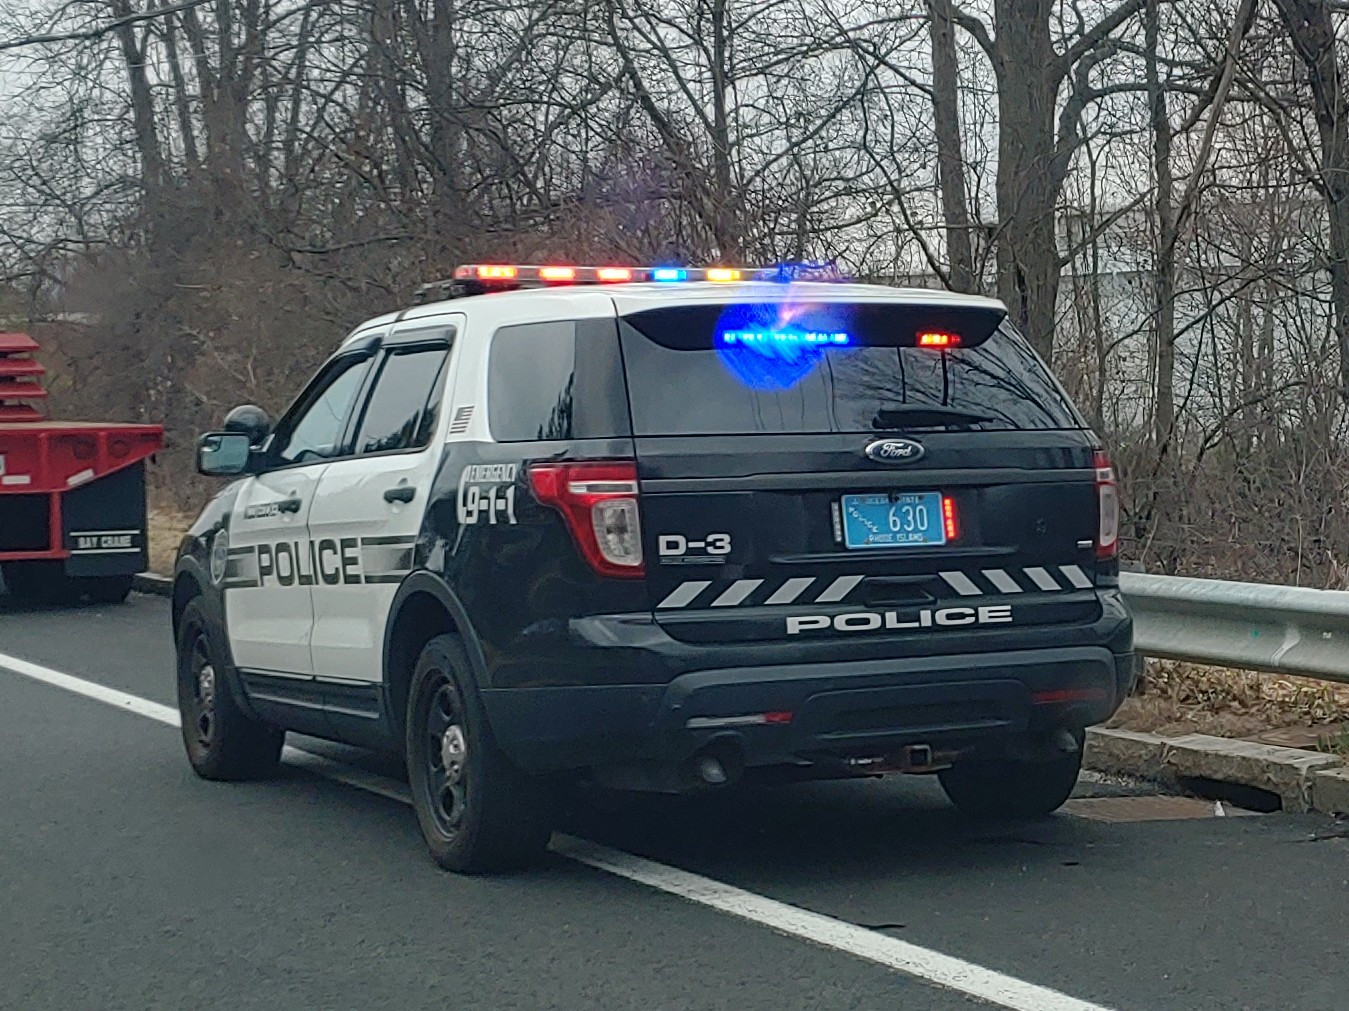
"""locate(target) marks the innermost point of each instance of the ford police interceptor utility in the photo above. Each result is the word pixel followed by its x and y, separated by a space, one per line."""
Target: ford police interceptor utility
pixel 659 528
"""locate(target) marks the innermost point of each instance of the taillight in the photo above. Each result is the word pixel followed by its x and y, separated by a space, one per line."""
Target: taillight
pixel 1107 498
pixel 948 517
pixel 598 499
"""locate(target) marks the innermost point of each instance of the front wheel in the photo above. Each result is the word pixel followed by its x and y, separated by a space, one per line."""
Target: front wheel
pixel 223 742
pixel 1012 788
pixel 477 811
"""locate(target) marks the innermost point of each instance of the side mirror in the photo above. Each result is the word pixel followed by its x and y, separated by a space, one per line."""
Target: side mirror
pixel 251 420
pixel 224 454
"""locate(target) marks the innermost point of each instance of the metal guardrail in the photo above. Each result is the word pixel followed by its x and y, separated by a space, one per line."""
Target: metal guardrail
pixel 1250 626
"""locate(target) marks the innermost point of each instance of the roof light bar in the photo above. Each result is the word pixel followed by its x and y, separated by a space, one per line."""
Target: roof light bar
pixel 938 340
pixel 479 278
pixel 488 272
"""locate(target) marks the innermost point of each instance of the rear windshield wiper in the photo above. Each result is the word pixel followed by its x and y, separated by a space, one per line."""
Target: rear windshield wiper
pixel 924 416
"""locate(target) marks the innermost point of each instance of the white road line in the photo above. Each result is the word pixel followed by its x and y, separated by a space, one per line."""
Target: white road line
pixel 90 690
pixel 339 771
pixel 839 935
pixel 933 966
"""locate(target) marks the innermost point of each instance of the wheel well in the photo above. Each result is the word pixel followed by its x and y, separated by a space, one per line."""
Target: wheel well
pixel 184 589
pixel 420 619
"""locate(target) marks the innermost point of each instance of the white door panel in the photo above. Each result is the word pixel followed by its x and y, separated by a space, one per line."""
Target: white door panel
pixel 268 604
pixel 349 620
pixel 372 504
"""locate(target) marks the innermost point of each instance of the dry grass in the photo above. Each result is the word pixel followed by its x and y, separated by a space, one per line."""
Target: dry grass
pixel 1180 698
pixel 166 531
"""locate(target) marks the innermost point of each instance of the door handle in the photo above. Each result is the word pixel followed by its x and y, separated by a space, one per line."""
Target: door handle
pixel 403 493
pixel 289 505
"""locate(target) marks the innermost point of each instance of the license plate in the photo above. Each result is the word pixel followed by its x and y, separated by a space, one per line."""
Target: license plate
pixel 898 521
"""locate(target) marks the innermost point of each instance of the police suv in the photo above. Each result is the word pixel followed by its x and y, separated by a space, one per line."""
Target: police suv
pixel 660 529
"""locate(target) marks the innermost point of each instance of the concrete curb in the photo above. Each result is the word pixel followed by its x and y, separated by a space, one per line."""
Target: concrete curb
pixel 150 582
pixel 1330 791
pixel 1303 780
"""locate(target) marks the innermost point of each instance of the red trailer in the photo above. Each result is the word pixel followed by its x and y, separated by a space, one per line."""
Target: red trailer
pixel 72 493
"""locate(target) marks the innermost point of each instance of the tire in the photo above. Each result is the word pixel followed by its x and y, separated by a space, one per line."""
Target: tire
pixel 106 589
pixel 1010 788
pixel 222 741
pixel 478 813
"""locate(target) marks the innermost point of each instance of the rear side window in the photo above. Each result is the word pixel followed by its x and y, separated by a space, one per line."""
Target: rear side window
pixel 556 380
pixel 705 370
pixel 402 410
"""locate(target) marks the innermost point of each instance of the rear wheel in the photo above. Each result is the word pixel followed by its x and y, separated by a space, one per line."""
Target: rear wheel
pixel 1012 788
pixel 477 811
pixel 223 742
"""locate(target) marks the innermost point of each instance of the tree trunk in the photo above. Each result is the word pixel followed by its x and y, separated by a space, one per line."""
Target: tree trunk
pixel 725 216
pixel 1028 260
pixel 950 149
pixel 142 107
pixel 1313 34
pixel 1164 271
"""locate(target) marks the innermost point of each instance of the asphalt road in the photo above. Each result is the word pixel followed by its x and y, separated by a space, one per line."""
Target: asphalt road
pixel 125 882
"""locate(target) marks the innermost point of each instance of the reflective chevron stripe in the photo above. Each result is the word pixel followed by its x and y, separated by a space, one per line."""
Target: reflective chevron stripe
pixel 1055 579
pixel 962 584
pixel 685 593
pixel 790 590
pixel 1042 579
pixel 1003 582
pixel 737 592
pixel 1077 577
pixel 742 589
pixel 838 589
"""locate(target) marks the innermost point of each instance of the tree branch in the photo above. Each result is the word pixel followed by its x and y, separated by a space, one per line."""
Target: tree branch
pixel 978 31
pixel 1095 36
pixel 100 31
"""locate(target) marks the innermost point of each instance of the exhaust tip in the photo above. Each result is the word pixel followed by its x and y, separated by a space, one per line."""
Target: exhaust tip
pixel 1065 741
pixel 711 771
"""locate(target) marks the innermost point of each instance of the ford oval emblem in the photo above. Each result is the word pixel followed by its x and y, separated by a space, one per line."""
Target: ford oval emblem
pixel 895 451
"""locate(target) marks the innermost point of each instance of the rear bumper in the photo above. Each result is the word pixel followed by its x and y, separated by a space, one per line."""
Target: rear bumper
pixel 845 709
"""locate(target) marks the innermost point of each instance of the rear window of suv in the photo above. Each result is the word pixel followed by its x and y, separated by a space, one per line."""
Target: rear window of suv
pixel 736 369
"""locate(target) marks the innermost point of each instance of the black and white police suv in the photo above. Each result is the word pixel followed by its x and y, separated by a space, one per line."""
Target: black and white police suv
pixel 659 529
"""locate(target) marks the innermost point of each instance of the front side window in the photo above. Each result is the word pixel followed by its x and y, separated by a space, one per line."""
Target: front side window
pixel 402 410
pixel 313 430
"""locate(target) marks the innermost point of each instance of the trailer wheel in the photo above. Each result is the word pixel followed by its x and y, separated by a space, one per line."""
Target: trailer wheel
pixel 47 583
pixel 42 582
pixel 106 589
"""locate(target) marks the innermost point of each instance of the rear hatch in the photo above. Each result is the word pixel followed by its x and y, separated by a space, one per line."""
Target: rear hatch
pixel 823 468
